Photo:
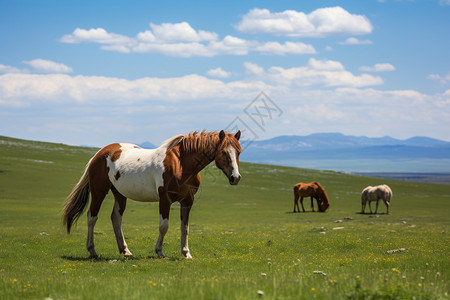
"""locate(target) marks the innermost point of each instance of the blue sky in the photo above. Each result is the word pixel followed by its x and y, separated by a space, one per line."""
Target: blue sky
pixel 97 72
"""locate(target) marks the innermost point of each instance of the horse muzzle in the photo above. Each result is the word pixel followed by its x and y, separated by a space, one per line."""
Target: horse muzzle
pixel 234 179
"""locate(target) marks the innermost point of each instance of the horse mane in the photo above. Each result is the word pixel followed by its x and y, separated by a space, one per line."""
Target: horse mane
pixel 207 142
pixel 172 142
pixel 322 190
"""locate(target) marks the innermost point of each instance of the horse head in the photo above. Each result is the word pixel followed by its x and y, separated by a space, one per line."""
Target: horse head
pixel 227 155
pixel 323 201
pixel 323 204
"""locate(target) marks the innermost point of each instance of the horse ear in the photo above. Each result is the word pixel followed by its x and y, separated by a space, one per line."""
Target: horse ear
pixel 238 135
pixel 221 135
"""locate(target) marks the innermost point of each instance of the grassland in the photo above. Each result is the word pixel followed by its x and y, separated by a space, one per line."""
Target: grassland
pixel 244 238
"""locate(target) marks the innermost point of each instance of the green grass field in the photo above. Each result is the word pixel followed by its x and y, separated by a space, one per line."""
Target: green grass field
pixel 244 238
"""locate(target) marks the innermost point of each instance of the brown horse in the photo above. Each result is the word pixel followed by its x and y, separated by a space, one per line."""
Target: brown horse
pixel 313 190
pixel 166 174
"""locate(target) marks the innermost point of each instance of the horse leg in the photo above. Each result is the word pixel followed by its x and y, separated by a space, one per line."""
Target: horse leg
pixel 98 195
pixel 90 235
pixel 370 206
pixel 376 207
pixel 387 205
pixel 296 203
pixel 116 219
pixel 185 208
pixel 312 203
pixel 164 209
pixel 301 202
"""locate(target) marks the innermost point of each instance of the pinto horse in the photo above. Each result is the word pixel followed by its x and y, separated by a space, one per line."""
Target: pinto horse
pixel 166 174
pixel 313 190
pixel 375 193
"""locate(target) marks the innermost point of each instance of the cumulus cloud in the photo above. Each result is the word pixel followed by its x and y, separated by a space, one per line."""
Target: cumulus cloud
pixel 335 97
pixel 219 73
pixel 442 79
pixel 181 40
pixel 25 89
pixel 324 64
pixel 252 68
pixel 286 48
pixel 9 69
pixel 326 73
pixel 180 32
pixel 355 41
pixel 95 35
pixel 47 66
pixel 321 22
pixel 381 67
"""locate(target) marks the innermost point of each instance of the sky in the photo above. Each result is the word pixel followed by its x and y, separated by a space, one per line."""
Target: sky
pixel 99 72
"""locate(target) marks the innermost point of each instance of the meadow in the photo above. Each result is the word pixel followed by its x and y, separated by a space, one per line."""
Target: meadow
pixel 245 241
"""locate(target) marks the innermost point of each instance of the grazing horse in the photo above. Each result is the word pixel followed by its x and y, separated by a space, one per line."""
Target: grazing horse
pixel 375 193
pixel 313 190
pixel 166 174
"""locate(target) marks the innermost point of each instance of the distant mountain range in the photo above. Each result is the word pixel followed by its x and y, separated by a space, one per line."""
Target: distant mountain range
pixel 339 146
pixel 336 151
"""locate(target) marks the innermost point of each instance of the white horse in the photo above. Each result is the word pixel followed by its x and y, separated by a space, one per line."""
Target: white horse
pixel 375 193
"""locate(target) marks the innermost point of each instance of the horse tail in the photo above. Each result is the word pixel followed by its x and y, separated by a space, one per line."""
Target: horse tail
pixel 77 201
pixel 388 193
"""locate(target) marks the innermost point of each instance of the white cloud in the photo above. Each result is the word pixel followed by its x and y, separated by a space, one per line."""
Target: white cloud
pixel 444 2
pixel 339 100
pixel 442 79
pixel 218 72
pixel 9 69
pixel 180 32
pixel 286 48
pixel 95 35
pixel 180 39
pixel 321 22
pixel 325 73
pixel 324 64
pixel 355 41
pixel 174 49
pixel 26 89
pixel 381 67
pixel 253 68
pixel 231 45
pixel 47 66
pixel 18 89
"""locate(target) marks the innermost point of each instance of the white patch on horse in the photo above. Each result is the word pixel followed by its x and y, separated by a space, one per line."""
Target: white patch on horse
pixel 137 173
pixel 116 219
pixel 184 240
pixel 234 166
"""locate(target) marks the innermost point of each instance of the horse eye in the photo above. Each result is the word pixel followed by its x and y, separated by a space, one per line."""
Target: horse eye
pixel 224 152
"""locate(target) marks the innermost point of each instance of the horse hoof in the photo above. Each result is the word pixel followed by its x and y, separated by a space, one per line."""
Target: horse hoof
pixel 93 256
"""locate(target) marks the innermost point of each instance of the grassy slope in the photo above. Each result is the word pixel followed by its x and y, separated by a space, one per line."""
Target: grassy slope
pixel 238 234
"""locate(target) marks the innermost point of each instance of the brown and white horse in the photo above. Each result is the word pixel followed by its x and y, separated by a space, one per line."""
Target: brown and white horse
pixel 375 193
pixel 313 190
pixel 166 174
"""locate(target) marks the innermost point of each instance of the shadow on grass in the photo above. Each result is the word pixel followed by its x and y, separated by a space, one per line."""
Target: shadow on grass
pixel 303 212
pixel 122 259
pixel 371 214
